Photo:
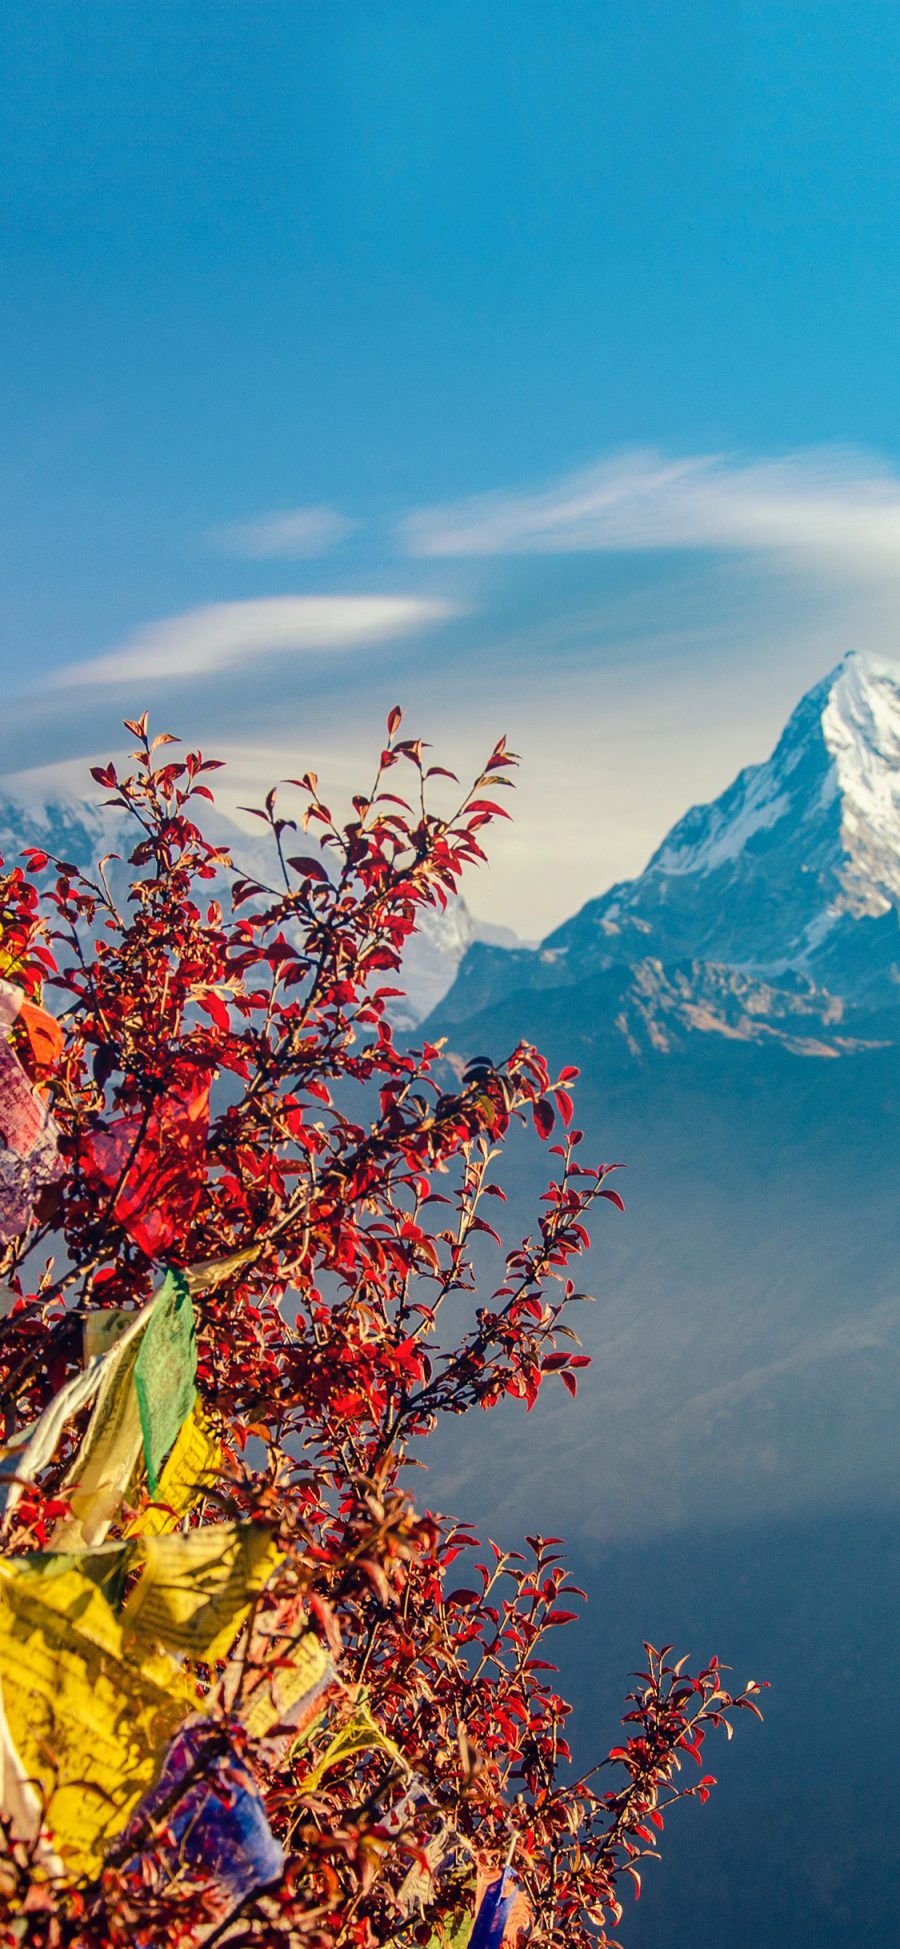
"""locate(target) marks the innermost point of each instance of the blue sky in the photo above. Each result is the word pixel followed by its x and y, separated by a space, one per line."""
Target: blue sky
pixel 289 289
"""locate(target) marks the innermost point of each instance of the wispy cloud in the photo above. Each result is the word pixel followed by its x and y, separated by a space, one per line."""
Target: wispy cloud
pixel 203 640
pixel 294 533
pixel 832 506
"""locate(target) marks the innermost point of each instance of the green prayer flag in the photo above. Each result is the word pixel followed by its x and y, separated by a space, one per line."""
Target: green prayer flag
pixel 165 1372
pixel 453 1934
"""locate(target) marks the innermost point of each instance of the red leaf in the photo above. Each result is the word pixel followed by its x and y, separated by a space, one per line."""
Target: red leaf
pixel 614 1199
pixel 310 869
pixel 214 1007
pixel 544 1118
pixel 564 1105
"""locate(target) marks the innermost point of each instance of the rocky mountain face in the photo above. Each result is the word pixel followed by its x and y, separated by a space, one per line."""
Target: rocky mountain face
pixel 793 874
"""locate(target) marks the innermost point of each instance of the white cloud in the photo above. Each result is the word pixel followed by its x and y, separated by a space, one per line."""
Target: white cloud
pixel 222 633
pixel 293 532
pixel 832 507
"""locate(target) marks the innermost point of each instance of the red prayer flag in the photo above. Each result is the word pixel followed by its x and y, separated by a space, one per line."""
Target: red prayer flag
pixel 163 1162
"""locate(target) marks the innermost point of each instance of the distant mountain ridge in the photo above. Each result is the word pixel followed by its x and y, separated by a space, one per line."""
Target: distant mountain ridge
pixel 792 874
pixel 83 830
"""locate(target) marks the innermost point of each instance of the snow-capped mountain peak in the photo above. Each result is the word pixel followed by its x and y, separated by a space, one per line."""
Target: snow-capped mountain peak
pixel 796 866
pixel 861 729
pixel 836 765
pixel 770 875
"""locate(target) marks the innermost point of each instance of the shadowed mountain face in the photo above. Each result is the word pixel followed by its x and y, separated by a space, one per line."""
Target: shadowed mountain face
pixel 727 1478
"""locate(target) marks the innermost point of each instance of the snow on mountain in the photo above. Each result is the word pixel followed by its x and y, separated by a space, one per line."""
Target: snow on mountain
pixel 795 868
pixel 844 739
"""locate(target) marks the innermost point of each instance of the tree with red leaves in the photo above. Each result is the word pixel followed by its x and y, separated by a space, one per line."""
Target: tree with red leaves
pixel 377 1746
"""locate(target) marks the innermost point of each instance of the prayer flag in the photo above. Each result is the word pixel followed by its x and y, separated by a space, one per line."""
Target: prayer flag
pixel 359 1734
pixel 186 1477
pixel 503 1915
pixel 101 1328
pixel 43 1033
pixel 109 1452
pixel 287 1691
pixel 20 1805
pixel 218 1825
pixel 30 1160
pixel 11 999
pixel 88 1722
pixel 44 1037
pixel 164 1372
pixel 197 1586
pixel 454 1934
pixel 417 1888
pixel 156 1164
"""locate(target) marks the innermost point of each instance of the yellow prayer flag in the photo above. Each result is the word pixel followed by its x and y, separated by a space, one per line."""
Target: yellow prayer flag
pixel 101 1328
pixel 29 1451
pixel 89 1723
pixel 189 1473
pixel 110 1450
pixel 197 1586
pixel 278 1688
pixel 360 1734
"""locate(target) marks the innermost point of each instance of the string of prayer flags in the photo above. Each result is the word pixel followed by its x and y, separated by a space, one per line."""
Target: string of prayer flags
pixel 165 1372
pixel 197 1586
pixel 188 1475
pixel 144 1394
pixel 89 1722
pixel 359 1734
pixel 155 1164
pixel 218 1825
pixel 502 1915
